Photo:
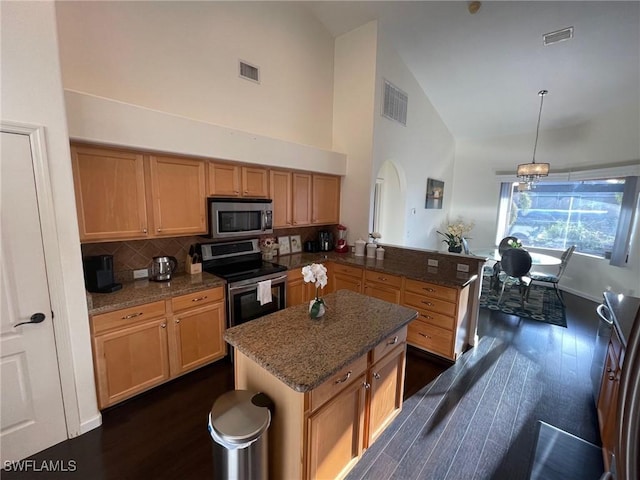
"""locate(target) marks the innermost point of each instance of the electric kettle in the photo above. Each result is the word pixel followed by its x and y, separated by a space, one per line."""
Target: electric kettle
pixel 162 268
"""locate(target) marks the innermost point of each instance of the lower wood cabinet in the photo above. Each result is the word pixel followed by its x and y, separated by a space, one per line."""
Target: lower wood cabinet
pixel 140 347
pixel 383 286
pixel 299 292
pixel 347 277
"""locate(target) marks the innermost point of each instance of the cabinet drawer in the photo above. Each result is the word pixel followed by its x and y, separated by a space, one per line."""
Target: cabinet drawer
pixel 389 344
pixel 428 337
pixel 127 316
pixel 432 290
pixel 344 377
pixel 347 270
pixel 389 280
pixel 427 303
pixel 437 319
pixel 197 299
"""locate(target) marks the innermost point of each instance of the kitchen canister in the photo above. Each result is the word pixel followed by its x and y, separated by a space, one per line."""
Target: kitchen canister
pixel 360 247
pixel 371 250
pixel 380 253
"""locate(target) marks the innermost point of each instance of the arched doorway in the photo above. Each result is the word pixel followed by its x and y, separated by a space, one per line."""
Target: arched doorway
pixel 389 203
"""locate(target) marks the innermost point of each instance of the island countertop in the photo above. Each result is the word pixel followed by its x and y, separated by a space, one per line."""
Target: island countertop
pixel 302 352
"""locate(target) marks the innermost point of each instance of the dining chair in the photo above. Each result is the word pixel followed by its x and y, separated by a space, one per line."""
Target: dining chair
pixel 503 246
pixel 516 263
pixel 550 277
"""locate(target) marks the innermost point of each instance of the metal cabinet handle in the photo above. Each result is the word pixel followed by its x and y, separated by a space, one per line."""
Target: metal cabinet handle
pixel 424 335
pixel 428 317
pixel 144 230
pixel 132 315
pixel 199 299
pixel 163 325
pixel 394 341
pixel 428 289
pixel 159 229
pixel 429 304
pixel 383 279
pixel 376 376
pixel 35 318
pixel 177 320
pixel 612 377
pixel 342 380
pixel 366 385
pixel 602 308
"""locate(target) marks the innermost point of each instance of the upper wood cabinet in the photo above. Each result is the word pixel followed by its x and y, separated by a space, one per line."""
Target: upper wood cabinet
pixel 280 192
pixel 301 199
pixel 326 199
pixel 178 196
pixel 110 193
pixel 122 195
pixel 228 180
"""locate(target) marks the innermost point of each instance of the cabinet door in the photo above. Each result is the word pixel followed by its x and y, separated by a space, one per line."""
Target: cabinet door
pixel 388 294
pixel 335 433
pixel 326 199
pixel 607 404
pixel 280 192
pixel 301 208
pixel 110 194
pixel 224 180
pixel 198 337
pixel 341 281
pixel 255 182
pixel 130 360
pixel 387 387
pixel 179 199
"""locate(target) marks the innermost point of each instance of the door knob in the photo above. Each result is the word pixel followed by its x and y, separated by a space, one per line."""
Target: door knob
pixel 35 318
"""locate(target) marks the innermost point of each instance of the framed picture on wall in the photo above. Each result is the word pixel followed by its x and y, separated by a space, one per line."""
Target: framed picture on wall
pixel 285 246
pixel 435 193
pixel 296 244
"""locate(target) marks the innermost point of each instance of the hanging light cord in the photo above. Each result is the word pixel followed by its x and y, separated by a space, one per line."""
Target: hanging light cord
pixel 542 93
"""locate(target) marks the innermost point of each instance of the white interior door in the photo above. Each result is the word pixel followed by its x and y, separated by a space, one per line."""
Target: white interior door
pixel 31 410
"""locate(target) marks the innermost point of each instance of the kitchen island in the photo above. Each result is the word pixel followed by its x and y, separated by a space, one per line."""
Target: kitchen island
pixel 336 382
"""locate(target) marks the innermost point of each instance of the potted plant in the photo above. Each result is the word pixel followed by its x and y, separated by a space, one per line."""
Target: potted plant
pixel 455 232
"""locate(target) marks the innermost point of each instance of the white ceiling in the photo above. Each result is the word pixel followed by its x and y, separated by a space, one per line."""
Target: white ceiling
pixel 483 72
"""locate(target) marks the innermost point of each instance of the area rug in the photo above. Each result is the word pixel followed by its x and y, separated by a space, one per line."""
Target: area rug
pixel 543 304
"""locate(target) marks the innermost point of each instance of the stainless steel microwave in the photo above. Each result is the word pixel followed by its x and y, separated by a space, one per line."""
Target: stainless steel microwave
pixel 239 217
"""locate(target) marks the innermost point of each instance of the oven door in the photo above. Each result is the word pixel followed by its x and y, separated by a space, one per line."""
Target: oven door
pixel 243 299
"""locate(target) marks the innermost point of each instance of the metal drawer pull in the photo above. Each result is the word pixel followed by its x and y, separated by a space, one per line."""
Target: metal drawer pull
pixel 376 376
pixel 382 279
pixel 424 335
pixel 131 315
pixel 394 341
pixel 163 325
pixel 428 289
pixel 199 299
pixel 346 377
pixel 428 317
pixel 428 303
pixel 366 385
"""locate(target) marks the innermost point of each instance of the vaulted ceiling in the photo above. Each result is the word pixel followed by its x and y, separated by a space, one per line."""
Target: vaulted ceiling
pixel 482 72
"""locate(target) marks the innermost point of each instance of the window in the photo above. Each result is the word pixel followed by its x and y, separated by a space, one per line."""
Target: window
pixel 559 214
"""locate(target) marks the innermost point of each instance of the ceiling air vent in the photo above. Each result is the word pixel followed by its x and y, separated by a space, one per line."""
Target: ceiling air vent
pixel 557 36
pixel 249 72
pixel 394 104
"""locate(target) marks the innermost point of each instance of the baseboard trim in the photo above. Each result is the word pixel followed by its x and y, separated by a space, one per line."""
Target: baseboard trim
pixel 90 424
pixel 581 294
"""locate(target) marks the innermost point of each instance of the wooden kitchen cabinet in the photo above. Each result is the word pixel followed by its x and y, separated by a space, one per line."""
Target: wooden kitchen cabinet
pixel 231 180
pixel 143 346
pixel 198 325
pixel 178 197
pixel 347 277
pixel 442 317
pixel 281 194
pixel 299 292
pixel 383 286
pixel 607 406
pixel 302 199
pixel 110 193
pixel 122 195
pixel 326 199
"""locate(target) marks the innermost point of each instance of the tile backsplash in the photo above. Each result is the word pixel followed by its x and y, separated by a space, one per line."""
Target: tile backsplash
pixel 137 254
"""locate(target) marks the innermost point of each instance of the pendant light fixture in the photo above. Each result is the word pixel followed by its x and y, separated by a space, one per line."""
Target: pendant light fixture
pixel 528 173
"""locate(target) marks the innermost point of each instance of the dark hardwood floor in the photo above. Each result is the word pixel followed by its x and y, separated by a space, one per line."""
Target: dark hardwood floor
pixel 475 419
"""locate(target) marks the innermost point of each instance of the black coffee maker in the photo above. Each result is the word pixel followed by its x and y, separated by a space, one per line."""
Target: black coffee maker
pixel 325 241
pixel 98 274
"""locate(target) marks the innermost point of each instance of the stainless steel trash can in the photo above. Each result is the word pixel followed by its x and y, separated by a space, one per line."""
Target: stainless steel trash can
pixel 238 424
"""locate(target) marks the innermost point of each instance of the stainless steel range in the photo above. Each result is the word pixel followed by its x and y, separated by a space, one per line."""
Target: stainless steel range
pixel 254 287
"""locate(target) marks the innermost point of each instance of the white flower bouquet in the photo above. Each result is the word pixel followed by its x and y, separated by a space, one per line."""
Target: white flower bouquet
pixel 455 233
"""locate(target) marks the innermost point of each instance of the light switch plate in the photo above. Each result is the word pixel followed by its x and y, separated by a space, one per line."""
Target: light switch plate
pixel 462 267
pixel 142 273
pixel 432 262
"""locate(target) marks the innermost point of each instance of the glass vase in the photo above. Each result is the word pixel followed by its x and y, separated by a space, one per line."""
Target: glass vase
pixel 317 308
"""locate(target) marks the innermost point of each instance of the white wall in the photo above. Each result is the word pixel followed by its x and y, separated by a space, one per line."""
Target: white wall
pixel 424 148
pixel 353 107
pixel 609 139
pixel 182 58
pixel 393 192
pixel 32 93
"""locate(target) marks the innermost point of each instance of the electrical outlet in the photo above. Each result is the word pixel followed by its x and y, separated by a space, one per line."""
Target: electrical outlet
pixel 142 273
pixel 462 267
pixel 432 262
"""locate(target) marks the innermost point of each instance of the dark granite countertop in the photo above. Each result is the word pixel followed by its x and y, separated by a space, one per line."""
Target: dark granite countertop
pixel 145 291
pixel 303 352
pixel 625 311
pixel 403 265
